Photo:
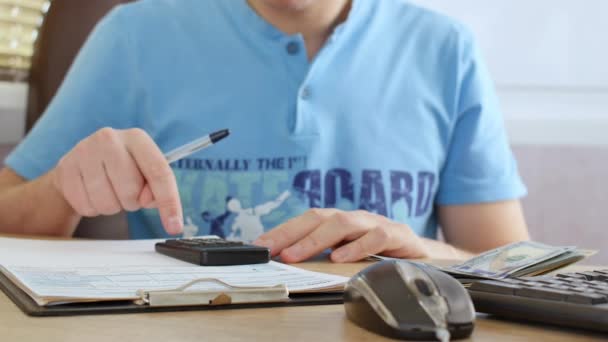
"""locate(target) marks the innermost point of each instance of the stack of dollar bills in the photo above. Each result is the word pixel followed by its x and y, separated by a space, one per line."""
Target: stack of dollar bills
pixel 520 259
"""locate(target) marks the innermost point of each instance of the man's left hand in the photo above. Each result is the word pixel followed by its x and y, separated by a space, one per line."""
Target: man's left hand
pixel 352 235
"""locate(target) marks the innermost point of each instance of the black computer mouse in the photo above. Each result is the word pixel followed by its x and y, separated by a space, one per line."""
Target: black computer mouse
pixel 408 300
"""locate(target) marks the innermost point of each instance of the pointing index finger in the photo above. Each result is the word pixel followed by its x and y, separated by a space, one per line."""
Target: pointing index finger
pixel 160 178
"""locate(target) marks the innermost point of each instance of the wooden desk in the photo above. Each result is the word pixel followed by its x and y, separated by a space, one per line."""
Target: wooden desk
pixel 313 323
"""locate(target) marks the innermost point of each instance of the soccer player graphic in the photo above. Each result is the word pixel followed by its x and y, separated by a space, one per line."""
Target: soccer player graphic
pixel 217 223
pixel 190 229
pixel 247 225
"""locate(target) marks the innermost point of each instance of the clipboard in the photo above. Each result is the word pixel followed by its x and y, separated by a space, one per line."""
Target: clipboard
pixel 24 302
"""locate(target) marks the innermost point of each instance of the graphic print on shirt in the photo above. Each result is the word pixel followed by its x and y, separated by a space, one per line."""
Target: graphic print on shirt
pixel 190 229
pixel 216 223
pixel 247 224
pixel 240 199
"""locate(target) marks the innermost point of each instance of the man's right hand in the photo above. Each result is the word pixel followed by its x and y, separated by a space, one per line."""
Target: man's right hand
pixel 114 170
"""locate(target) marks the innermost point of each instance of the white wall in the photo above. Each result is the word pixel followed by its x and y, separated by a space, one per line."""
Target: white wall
pixel 549 59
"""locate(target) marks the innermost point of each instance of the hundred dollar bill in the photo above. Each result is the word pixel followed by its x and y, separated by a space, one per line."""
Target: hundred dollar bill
pixel 507 260
pixel 555 263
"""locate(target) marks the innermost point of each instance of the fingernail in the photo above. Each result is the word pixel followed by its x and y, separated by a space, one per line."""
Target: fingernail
pixel 175 225
pixel 340 254
pixel 295 251
pixel 264 243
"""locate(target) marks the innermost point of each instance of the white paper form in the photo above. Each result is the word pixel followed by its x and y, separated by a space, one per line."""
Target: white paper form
pixel 118 269
pixel 88 253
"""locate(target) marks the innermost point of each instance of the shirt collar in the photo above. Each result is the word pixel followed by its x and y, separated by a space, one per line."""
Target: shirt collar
pixel 251 19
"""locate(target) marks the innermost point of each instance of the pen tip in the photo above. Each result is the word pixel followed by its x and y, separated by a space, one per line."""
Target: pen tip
pixel 219 135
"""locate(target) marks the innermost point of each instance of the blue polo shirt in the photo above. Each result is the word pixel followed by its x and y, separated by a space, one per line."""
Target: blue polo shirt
pixel 395 115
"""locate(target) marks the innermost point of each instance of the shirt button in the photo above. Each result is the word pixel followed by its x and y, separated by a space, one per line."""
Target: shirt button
pixel 292 48
pixel 305 93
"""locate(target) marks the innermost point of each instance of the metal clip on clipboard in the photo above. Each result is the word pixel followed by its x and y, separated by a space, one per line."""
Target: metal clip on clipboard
pixel 231 295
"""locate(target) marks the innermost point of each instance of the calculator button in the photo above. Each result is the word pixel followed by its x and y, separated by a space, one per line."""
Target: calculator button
pixel 495 287
pixel 587 298
pixel 180 243
pixel 543 293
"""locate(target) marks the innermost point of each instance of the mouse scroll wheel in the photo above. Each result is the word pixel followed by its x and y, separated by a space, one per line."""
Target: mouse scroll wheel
pixel 424 287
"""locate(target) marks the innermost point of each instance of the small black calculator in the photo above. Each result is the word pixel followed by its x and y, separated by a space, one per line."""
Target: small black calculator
pixel 213 251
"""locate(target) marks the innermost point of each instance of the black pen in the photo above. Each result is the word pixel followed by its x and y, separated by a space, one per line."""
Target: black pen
pixel 196 145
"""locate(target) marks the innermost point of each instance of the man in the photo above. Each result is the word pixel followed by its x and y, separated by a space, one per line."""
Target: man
pixel 379 106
